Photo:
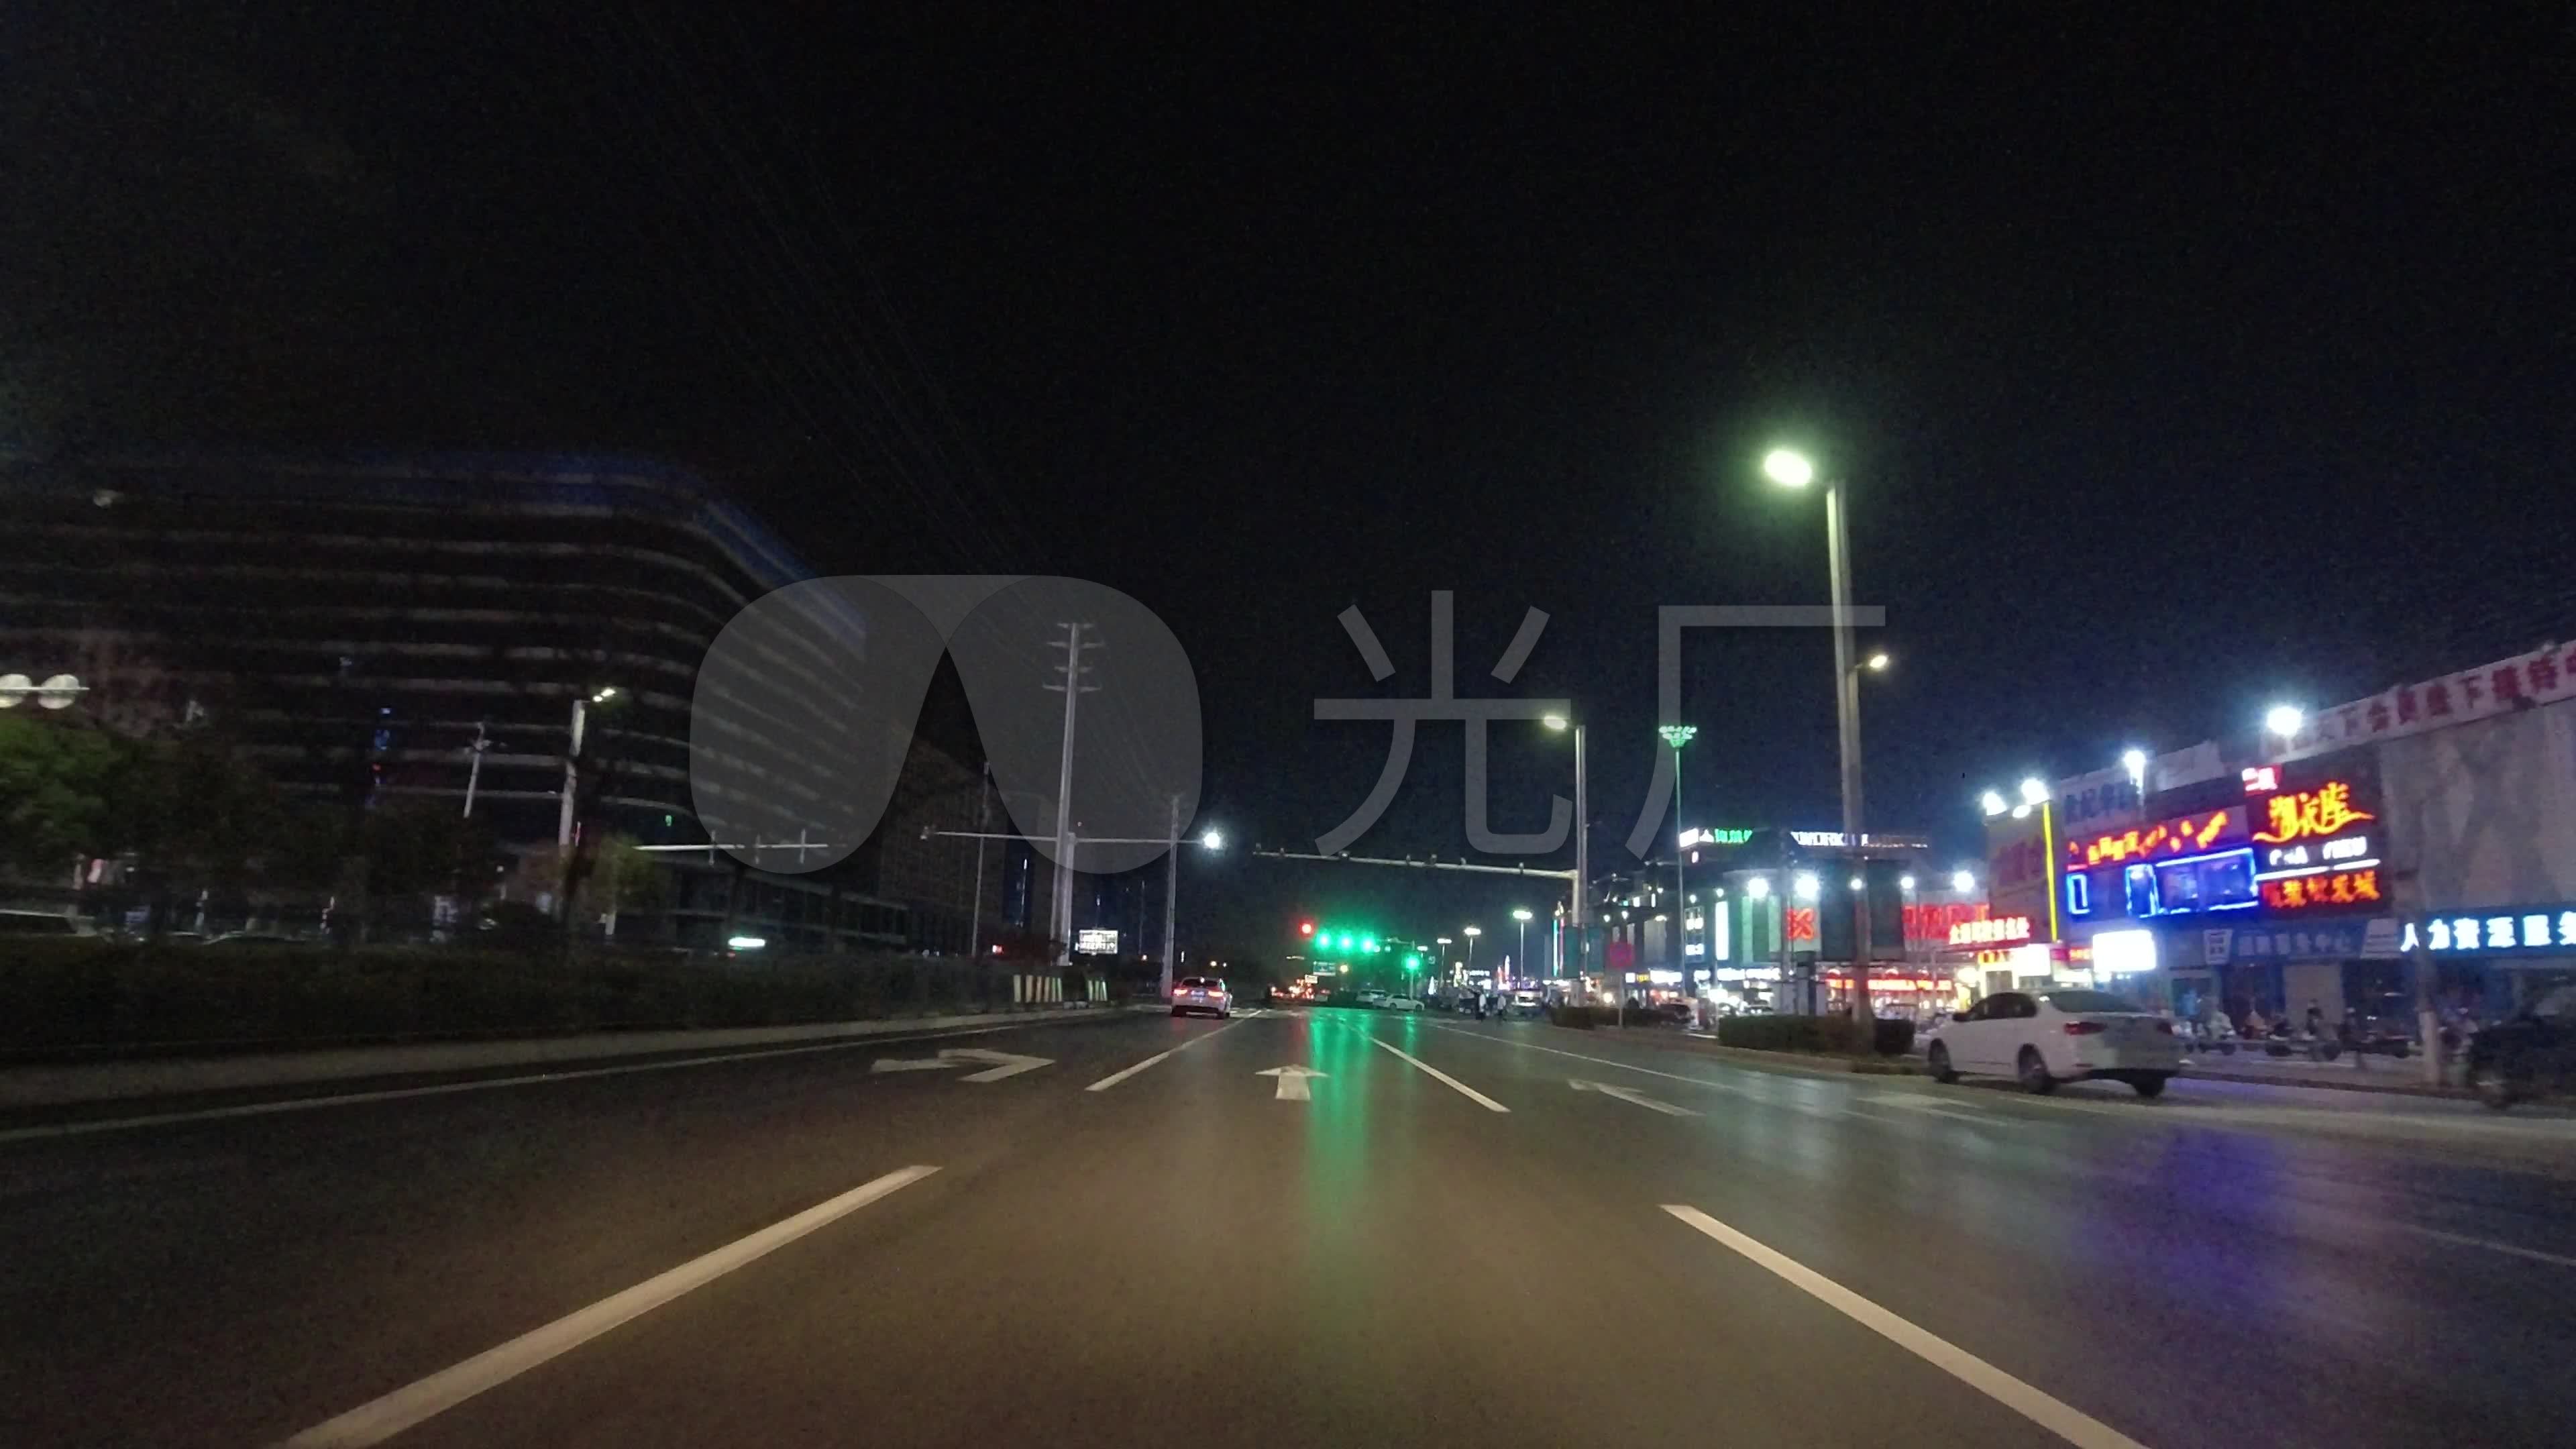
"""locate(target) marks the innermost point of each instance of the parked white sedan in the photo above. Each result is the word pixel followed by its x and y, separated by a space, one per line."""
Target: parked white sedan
pixel 1403 1003
pixel 2067 1035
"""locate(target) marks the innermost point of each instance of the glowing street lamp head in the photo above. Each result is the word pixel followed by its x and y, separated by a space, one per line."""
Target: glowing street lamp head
pixel 1878 661
pixel 1856 883
pixel 1677 735
pixel 1905 882
pixel 1213 840
pixel 1788 467
pixel 1554 721
pixel 1963 881
pixel 1807 886
pixel 1992 803
pixel 2134 761
pixel 1443 940
pixel 2284 719
pixel 2034 790
pixel 1520 915
pixel 1759 887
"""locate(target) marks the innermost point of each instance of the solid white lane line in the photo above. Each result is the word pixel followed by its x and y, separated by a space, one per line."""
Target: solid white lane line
pixel 1123 1073
pixel 2060 1418
pixel 479 1084
pixel 2466 1241
pixel 1114 1078
pixel 381 1419
pixel 1488 1103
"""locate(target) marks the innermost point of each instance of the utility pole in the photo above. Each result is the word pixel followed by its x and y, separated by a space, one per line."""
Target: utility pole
pixel 1171 895
pixel 474 774
pixel 975 907
pixel 1060 924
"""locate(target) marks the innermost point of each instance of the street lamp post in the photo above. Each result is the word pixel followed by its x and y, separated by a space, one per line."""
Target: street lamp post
pixel 1582 845
pixel 1675 735
pixel 1523 917
pixel 1471 933
pixel 1791 469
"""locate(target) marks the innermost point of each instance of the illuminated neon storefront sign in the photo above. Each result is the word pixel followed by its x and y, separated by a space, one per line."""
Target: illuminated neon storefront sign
pixel 2528 928
pixel 2328 889
pixel 2189 835
pixel 2311 814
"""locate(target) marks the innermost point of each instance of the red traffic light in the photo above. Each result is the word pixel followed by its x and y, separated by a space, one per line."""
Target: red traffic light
pixel 1305 928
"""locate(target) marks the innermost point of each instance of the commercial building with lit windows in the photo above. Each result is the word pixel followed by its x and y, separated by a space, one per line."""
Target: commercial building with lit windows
pixel 422 628
pixel 2415 848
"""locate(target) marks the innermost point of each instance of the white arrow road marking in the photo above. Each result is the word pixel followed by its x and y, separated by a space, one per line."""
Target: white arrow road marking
pixel 2063 1419
pixel 1630 1094
pixel 1003 1064
pixel 381 1419
pixel 1292 1082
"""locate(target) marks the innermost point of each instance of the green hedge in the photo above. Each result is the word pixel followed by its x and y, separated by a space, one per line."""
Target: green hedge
pixel 1820 1034
pixel 57 996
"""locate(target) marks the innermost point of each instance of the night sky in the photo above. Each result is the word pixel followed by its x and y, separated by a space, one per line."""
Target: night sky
pixel 2174 369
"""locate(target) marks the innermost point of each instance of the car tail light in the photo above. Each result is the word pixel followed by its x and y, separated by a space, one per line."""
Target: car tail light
pixel 2086 1028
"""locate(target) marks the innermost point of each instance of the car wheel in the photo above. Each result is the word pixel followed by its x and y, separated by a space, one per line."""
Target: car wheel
pixel 1939 1060
pixel 2492 1086
pixel 2034 1073
pixel 2149 1084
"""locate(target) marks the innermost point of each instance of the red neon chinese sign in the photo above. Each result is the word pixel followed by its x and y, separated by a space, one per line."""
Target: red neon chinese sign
pixel 2187 836
pixel 2308 814
pixel 1932 922
pixel 2332 888
pixel 1802 923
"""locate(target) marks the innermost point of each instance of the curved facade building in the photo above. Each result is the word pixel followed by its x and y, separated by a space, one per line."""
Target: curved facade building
pixel 361 626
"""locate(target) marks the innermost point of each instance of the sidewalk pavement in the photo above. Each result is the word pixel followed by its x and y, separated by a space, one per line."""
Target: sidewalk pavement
pixel 2401 1075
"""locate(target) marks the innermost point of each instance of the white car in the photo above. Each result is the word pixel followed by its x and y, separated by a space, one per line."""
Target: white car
pixel 1201 993
pixel 1402 1003
pixel 43 923
pixel 1372 997
pixel 2066 1035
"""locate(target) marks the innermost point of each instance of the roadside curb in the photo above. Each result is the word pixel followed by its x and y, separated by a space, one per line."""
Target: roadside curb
pixel 2197 1073
pixel 95 1082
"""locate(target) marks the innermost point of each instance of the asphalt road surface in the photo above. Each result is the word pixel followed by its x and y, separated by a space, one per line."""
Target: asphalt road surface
pixel 1423 1231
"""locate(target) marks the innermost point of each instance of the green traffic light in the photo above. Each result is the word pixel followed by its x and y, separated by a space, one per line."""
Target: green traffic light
pixel 1346 940
pixel 1412 962
pixel 1369 944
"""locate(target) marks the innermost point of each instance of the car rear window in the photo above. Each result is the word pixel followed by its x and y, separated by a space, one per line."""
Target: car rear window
pixel 2090 1001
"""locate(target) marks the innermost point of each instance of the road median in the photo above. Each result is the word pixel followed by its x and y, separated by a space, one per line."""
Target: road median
pixel 57 1085
pixel 1666 1039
